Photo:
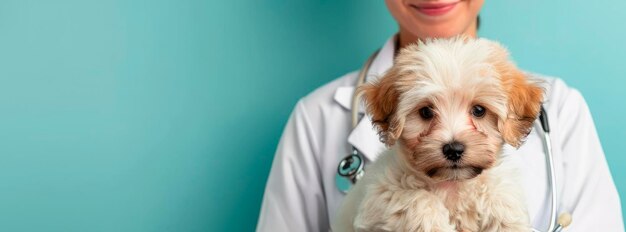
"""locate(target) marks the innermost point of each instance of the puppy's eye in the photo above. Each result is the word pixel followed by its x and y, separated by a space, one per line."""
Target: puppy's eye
pixel 478 111
pixel 426 112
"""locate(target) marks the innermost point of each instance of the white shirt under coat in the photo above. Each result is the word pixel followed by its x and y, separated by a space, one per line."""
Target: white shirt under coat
pixel 301 194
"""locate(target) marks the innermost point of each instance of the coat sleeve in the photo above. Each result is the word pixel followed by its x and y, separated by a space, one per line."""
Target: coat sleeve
pixel 294 199
pixel 589 193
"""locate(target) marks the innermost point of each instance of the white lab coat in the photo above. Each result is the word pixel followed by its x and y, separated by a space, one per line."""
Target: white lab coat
pixel 301 194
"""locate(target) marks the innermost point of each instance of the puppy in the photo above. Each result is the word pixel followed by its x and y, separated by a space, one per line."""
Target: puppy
pixel 445 109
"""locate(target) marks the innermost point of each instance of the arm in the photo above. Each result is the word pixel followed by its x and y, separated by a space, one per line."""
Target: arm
pixel 589 193
pixel 294 200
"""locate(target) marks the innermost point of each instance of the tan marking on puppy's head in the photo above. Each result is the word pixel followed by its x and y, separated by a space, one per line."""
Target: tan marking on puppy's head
pixel 524 98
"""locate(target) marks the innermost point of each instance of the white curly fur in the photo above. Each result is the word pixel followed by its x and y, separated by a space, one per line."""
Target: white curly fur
pixel 412 186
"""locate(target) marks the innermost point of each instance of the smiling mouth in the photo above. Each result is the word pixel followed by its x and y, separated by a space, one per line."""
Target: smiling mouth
pixel 435 9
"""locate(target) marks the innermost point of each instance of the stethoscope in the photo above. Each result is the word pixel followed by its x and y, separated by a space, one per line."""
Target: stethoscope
pixel 351 168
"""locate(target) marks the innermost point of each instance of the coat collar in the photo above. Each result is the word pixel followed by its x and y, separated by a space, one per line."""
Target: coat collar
pixel 364 136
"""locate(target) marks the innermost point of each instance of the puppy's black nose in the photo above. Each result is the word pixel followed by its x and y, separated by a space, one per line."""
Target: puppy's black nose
pixel 453 150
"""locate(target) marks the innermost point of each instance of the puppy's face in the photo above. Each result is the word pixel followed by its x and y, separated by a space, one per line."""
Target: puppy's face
pixel 451 104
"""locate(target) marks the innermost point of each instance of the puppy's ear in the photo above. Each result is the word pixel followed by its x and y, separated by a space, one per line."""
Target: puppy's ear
pixel 524 99
pixel 381 98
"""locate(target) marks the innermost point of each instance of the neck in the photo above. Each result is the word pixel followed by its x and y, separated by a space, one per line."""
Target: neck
pixel 405 37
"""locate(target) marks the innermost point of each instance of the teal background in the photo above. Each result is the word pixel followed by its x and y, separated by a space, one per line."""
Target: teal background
pixel 164 115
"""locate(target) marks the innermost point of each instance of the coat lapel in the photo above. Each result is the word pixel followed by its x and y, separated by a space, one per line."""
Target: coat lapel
pixel 364 136
pixel 365 139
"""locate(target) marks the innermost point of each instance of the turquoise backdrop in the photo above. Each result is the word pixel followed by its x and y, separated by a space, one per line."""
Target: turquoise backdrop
pixel 164 115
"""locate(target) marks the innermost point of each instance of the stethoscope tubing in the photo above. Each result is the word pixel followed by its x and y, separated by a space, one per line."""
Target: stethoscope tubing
pixel 543 119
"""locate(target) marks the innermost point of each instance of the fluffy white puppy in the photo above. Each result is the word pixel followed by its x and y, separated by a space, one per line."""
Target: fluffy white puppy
pixel 445 109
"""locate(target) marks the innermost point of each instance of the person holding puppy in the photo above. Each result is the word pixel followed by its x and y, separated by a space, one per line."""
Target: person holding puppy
pixel 301 192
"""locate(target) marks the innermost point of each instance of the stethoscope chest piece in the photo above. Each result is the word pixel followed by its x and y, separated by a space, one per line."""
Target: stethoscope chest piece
pixel 349 170
pixel 343 184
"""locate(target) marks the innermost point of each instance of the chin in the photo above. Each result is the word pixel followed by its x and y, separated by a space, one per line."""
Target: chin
pixel 453 173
